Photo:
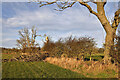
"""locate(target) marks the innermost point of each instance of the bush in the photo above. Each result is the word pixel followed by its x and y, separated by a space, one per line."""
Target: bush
pixel 10 50
pixel 101 50
pixel 70 46
pixel 33 57
pixel 31 50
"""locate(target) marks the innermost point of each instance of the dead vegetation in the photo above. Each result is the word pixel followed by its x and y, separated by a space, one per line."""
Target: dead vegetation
pixel 27 57
pixel 80 66
pixel 71 47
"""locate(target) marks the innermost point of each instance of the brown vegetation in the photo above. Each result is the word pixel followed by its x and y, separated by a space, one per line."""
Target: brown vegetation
pixel 27 57
pixel 94 67
pixel 10 50
pixel 71 47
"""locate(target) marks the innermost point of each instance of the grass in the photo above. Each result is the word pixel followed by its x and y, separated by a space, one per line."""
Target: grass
pixel 46 70
pixel 9 56
pixel 36 70
pixel 101 75
pixel 96 57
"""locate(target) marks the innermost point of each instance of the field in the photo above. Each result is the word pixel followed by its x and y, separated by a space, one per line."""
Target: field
pixel 87 57
pixel 96 57
pixel 40 69
pixel 9 56
pixel 36 70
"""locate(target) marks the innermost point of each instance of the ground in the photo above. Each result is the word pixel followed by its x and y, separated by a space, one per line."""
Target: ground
pixel 36 70
pixel 40 69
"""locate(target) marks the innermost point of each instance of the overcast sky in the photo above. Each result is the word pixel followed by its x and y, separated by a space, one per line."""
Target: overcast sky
pixel 76 21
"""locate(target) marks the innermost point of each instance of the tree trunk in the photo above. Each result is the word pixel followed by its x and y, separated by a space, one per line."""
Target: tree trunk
pixel 109 40
pixel 109 43
pixel 110 32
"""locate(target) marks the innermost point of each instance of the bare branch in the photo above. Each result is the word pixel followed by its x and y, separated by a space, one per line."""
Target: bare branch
pixel 104 3
pixel 46 3
pixel 64 5
pixel 89 8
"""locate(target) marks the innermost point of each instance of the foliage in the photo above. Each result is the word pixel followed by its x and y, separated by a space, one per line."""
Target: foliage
pixel 31 50
pixel 70 46
pixel 17 51
pixel 10 50
pixel 101 50
pixel 7 56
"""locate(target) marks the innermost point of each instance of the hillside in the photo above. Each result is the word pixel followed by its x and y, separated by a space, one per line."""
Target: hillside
pixel 36 70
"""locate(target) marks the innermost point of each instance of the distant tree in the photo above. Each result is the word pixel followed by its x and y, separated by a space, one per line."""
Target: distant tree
pixel 27 39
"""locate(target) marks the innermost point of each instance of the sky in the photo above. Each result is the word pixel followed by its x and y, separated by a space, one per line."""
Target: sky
pixel 75 21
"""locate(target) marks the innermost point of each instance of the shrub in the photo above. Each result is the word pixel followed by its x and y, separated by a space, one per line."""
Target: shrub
pixel 101 50
pixel 70 46
pixel 31 50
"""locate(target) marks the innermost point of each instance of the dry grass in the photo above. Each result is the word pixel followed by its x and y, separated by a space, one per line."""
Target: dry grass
pixel 88 68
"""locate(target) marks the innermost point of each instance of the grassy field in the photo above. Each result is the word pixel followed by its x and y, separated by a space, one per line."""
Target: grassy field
pixel 96 57
pixel 41 69
pixel 93 56
pixel 9 56
pixel 36 70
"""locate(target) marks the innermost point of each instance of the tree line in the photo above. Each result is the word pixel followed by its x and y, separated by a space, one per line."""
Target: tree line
pixel 69 46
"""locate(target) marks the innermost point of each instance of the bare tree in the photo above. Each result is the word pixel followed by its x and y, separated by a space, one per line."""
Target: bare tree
pixel 27 38
pixel 100 14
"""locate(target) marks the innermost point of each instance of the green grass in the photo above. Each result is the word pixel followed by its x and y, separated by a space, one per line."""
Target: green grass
pixel 36 70
pixel 95 56
pixel 9 56
pixel 98 54
pixel 46 70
